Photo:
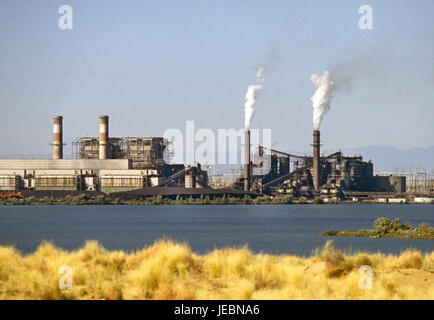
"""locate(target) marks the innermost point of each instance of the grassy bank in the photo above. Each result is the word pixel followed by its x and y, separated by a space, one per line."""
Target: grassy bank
pixel 386 228
pixel 157 200
pixel 169 270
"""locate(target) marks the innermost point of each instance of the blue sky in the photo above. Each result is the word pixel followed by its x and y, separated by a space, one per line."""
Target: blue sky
pixel 152 65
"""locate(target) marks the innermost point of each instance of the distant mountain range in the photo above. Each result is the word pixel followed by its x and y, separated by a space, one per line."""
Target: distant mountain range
pixel 384 158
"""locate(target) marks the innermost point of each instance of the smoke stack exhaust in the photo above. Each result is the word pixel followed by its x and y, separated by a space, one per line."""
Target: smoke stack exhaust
pixel 57 137
pixel 316 160
pixel 103 137
pixel 247 160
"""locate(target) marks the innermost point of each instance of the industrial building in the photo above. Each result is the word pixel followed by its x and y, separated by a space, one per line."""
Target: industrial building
pixel 135 166
pixel 334 175
pixel 106 164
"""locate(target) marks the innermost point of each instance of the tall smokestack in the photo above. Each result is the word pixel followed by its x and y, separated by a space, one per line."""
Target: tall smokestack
pixel 316 159
pixel 247 160
pixel 57 137
pixel 103 137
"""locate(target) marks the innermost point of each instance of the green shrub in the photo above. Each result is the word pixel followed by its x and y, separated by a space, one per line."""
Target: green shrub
pixel 13 201
pixel 232 200
pixel 75 200
pixel 407 226
pixel 247 199
pixel 382 225
pixel 30 200
pixel 276 199
pixel 159 199
pixel 180 200
pixel 224 199
pixel 396 225
pixel 288 200
pixel 100 199
pixel 424 228
pixel 206 200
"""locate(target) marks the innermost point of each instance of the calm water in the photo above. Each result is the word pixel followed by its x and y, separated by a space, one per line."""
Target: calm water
pixel 271 229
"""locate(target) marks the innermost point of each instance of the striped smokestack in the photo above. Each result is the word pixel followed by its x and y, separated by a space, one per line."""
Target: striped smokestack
pixel 57 137
pixel 316 160
pixel 247 160
pixel 103 137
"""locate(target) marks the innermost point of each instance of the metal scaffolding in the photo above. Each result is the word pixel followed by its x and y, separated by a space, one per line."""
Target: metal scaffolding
pixel 144 152
pixel 88 148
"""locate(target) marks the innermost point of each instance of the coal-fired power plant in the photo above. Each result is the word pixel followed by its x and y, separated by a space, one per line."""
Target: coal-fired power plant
pixel 136 167
pixel 316 160
pixel 103 137
pixel 142 166
pixel 57 137
pixel 247 166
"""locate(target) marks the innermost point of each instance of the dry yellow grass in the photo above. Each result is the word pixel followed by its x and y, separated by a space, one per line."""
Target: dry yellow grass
pixel 169 270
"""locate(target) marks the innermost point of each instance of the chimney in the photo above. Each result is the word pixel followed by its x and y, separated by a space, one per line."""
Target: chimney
pixel 247 160
pixel 316 160
pixel 103 137
pixel 57 137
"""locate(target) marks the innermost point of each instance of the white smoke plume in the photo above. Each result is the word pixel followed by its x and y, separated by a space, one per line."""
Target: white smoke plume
pixel 259 74
pixel 251 94
pixel 322 96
